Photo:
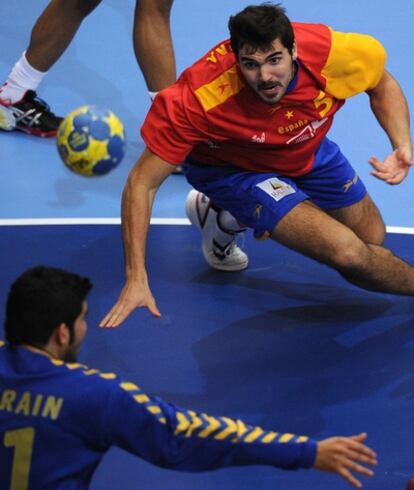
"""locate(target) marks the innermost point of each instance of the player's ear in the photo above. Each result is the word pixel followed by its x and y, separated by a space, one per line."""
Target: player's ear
pixel 62 335
pixel 294 52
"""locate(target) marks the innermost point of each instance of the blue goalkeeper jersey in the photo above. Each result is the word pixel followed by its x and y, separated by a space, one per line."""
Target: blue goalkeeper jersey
pixel 57 420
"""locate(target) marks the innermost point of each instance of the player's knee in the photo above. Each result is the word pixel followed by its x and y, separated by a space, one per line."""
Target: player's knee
pixel 349 257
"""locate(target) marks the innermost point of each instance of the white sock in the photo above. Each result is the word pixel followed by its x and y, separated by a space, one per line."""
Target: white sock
pixel 23 77
pixel 227 228
pixel 152 95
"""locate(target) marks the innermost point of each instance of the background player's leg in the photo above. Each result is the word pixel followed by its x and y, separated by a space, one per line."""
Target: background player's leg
pixel 153 43
pixel 51 35
pixel 55 29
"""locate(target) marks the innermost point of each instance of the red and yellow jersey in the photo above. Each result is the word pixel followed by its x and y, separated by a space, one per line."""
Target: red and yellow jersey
pixel 213 116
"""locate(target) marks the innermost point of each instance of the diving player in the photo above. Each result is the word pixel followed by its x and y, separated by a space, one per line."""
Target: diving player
pixel 58 417
pixel 251 117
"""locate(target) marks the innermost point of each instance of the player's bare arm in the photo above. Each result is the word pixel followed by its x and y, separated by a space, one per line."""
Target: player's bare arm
pixel 390 108
pixel 138 196
pixel 344 455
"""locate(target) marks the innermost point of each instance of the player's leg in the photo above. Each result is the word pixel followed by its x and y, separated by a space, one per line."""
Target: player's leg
pixel 364 219
pixel 55 29
pixel 51 34
pixel 310 231
pixel 153 43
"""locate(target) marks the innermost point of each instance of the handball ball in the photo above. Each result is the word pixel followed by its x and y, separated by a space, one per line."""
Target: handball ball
pixel 91 140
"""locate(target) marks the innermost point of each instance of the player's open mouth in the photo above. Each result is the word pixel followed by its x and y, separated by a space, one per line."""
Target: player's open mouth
pixel 270 89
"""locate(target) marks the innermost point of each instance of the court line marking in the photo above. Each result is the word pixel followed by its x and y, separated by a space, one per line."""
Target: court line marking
pixel 116 221
pixel 86 221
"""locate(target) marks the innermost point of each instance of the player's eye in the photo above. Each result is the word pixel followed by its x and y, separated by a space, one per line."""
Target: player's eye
pixel 249 65
pixel 274 60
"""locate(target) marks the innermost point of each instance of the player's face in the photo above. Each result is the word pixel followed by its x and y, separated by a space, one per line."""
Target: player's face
pixel 79 330
pixel 268 72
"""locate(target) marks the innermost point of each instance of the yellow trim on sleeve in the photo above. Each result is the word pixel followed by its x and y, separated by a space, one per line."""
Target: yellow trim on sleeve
pixel 355 64
pixel 255 434
pixel 269 437
pixel 127 386
pixel 286 437
pixel 90 371
pixel 213 425
pixel 229 430
pixel 141 398
pixel 57 362
pixel 154 409
pixel 107 375
pixel 219 90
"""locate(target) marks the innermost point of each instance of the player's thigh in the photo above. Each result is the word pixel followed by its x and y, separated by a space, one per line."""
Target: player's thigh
pixel 310 231
pixel 363 218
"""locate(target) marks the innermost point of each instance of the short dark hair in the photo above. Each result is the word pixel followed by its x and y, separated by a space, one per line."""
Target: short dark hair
pixel 257 26
pixel 40 300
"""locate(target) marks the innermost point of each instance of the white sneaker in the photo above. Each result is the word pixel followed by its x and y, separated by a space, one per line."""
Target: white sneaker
pixel 202 214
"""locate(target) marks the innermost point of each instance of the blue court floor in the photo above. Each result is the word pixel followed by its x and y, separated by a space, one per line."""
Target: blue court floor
pixel 286 344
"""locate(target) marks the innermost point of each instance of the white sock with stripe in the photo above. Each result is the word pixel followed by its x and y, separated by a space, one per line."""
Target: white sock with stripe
pixel 23 77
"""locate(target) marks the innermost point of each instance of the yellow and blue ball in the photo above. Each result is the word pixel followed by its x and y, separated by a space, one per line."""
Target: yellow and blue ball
pixel 91 140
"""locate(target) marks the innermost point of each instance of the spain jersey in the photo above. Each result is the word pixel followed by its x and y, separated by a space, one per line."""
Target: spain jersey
pixel 57 420
pixel 213 116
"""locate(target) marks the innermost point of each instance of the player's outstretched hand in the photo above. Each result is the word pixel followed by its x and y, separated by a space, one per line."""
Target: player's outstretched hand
pixel 394 168
pixel 132 296
pixel 344 455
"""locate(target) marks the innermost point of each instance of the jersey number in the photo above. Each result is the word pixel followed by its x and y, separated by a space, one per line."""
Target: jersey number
pixel 22 441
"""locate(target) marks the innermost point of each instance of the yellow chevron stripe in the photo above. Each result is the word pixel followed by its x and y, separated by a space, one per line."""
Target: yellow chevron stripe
pixel 74 365
pixel 214 424
pixel 255 434
pixel 241 429
pixel 271 436
pixel 90 371
pixel 219 90
pixel 154 409
pixel 286 437
pixel 196 422
pixel 302 439
pixel 107 375
pixel 142 398
pixel 230 429
pixel 56 362
pixel 129 386
pixel 163 420
pixel 183 423
pixel 2 343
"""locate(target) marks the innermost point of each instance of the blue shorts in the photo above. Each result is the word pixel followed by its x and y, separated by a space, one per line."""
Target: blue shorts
pixel 260 200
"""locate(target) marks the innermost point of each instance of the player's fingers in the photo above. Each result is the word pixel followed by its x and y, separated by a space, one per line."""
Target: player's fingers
pixel 106 319
pixel 397 178
pixel 361 437
pixel 349 477
pixel 355 444
pixel 116 316
pixel 152 306
pixel 380 175
pixel 362 457
pixel 374 162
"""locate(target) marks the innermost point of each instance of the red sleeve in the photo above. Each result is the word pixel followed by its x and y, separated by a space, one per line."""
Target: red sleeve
pixel 174 124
